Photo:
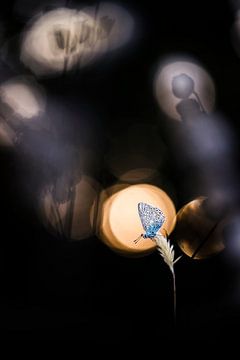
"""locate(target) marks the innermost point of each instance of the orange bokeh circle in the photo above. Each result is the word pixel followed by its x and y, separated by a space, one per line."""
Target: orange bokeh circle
pixel 119 223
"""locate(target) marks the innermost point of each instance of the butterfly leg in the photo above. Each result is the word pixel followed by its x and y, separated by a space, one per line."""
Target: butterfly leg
pixel 137 240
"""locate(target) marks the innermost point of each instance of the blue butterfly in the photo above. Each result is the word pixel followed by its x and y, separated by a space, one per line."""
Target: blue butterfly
pixel 152 220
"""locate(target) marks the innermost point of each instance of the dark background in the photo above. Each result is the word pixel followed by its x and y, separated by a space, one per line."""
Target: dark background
pixel 51 285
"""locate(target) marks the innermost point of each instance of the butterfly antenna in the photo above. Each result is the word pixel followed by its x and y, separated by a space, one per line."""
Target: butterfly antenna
pixel 137 240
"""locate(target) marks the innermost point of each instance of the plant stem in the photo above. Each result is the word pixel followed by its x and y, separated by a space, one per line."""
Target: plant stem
pixel 174 298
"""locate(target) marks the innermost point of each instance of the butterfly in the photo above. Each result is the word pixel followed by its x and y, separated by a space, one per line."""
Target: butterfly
pixel 152 219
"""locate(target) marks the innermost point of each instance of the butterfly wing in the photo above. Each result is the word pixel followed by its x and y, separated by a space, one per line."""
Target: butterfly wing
pixel 143 212
pixel 152 218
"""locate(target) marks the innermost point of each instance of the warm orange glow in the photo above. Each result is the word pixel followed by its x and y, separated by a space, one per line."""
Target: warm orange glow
pixel 138 174
pixel 198 235
pixel 119 221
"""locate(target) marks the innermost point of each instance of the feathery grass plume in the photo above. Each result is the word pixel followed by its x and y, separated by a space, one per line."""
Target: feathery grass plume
pixel 167 252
